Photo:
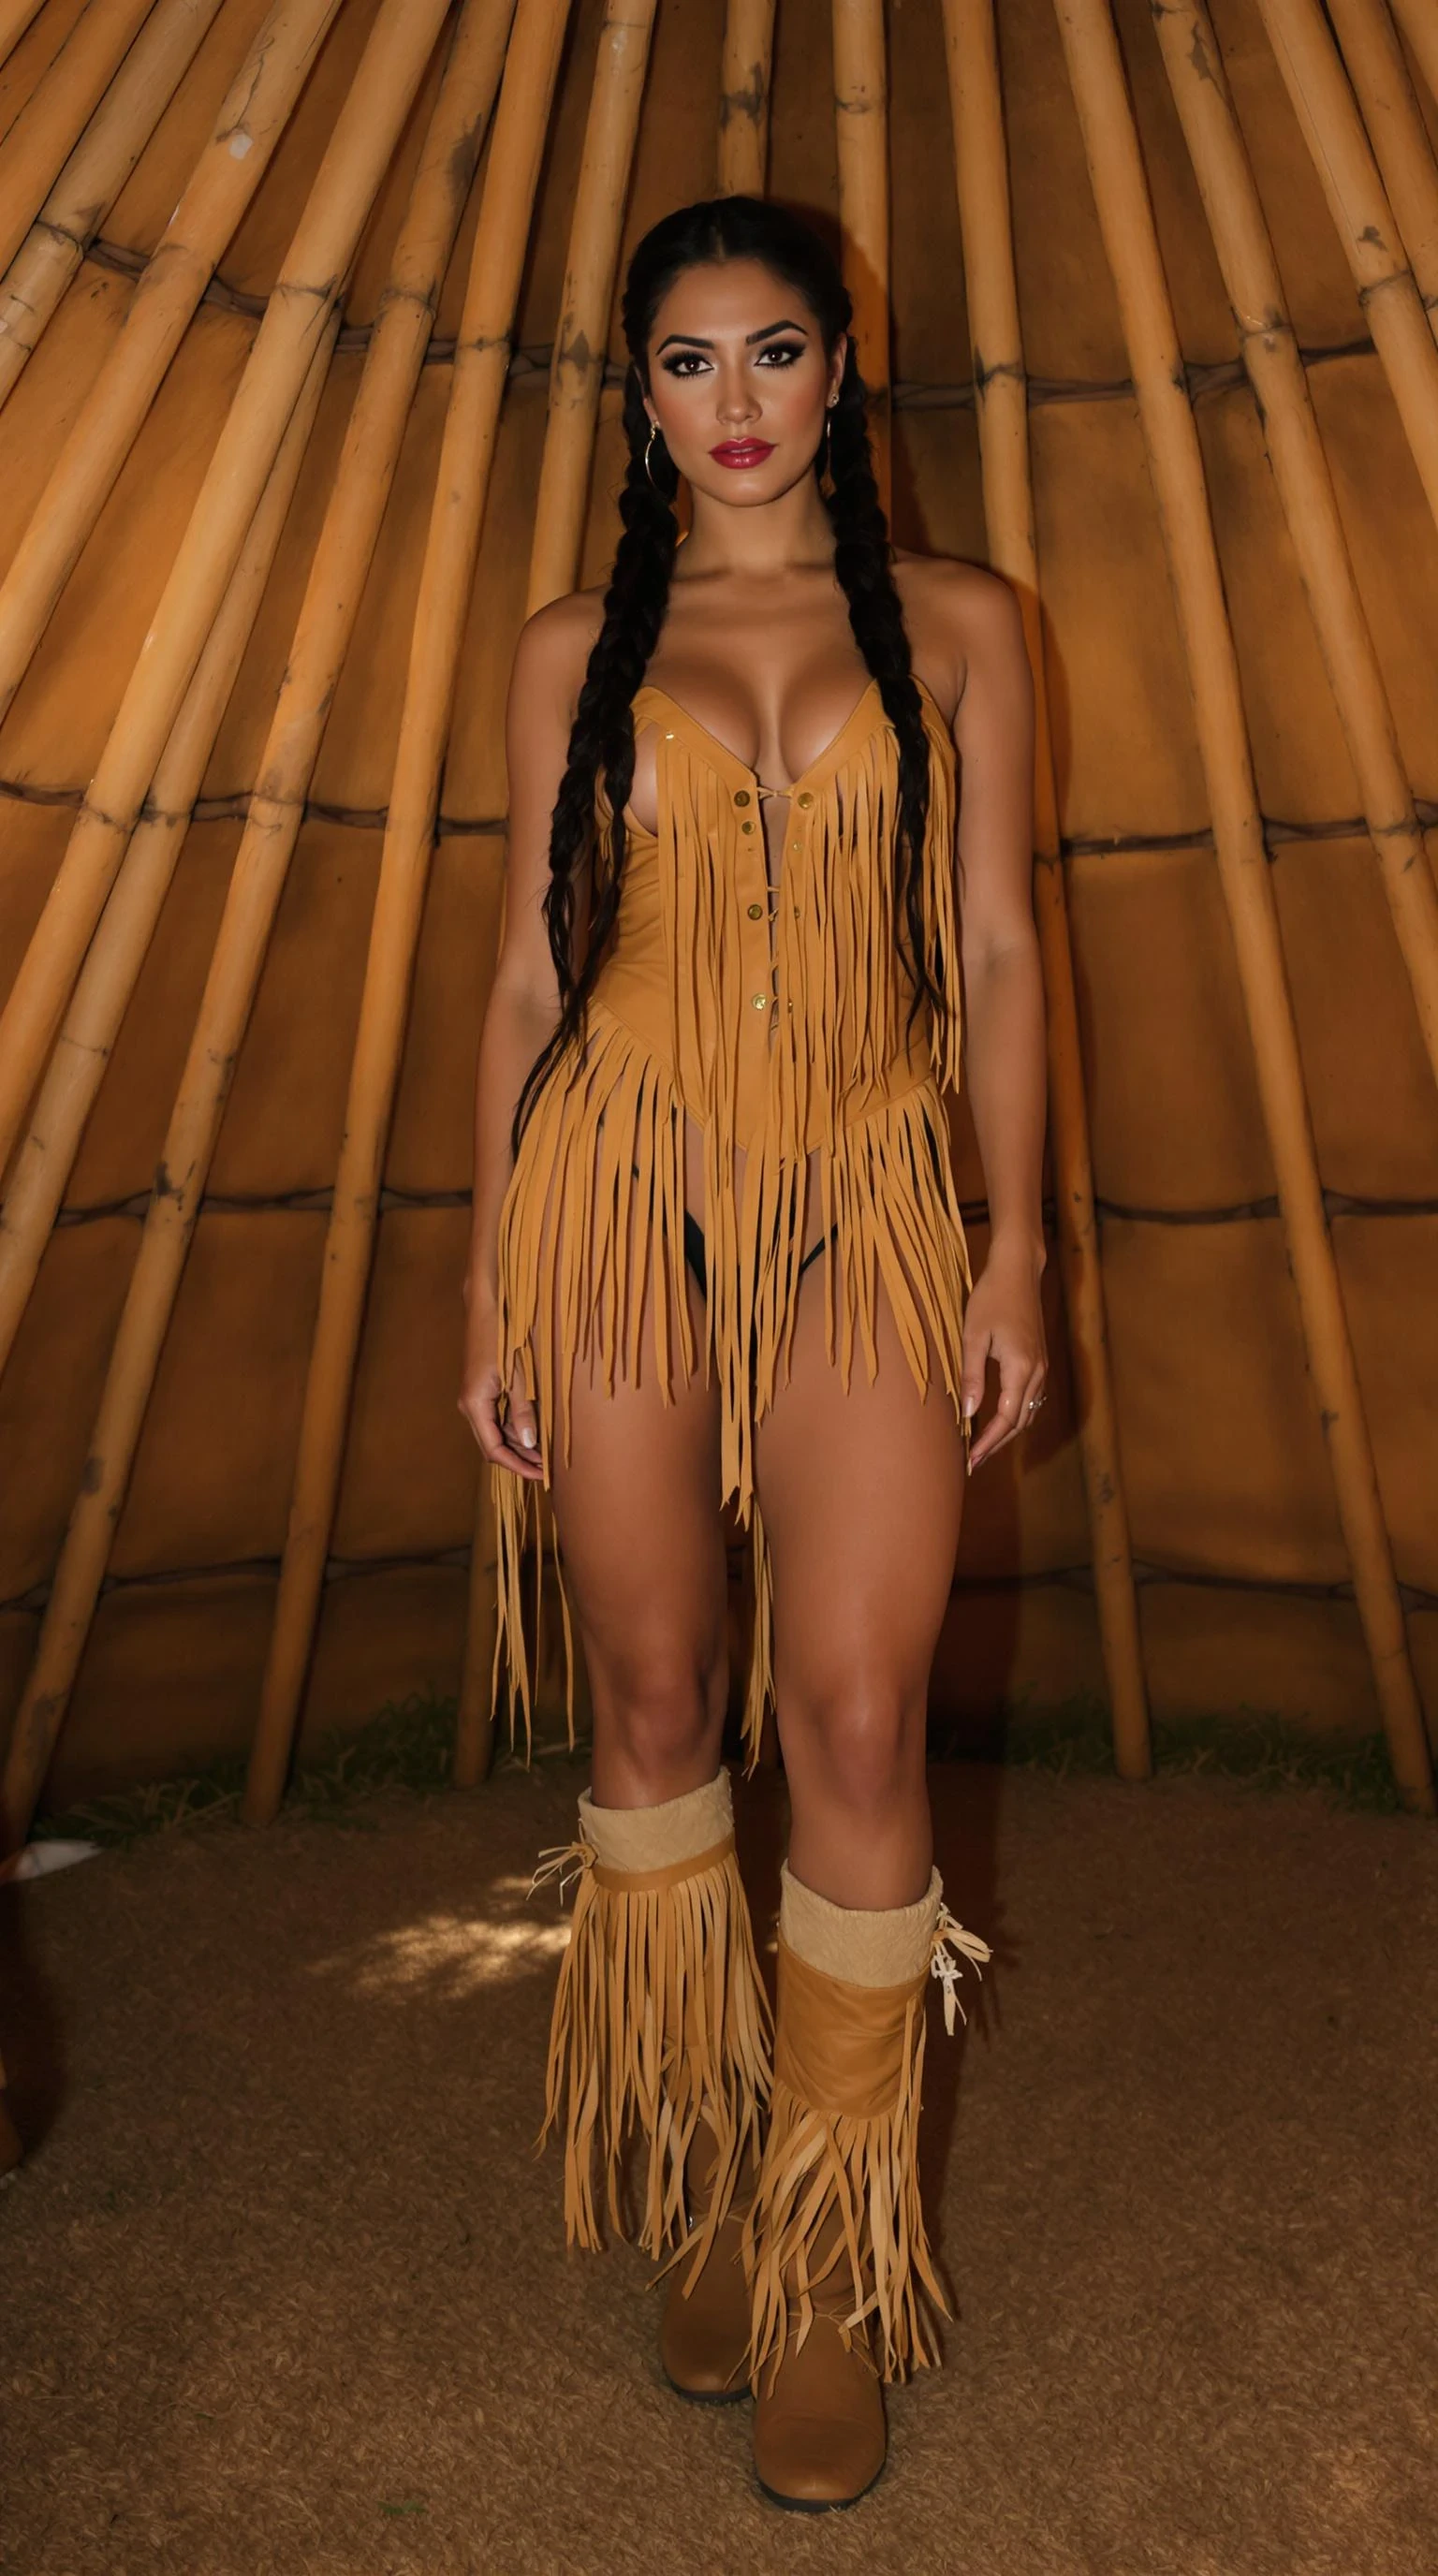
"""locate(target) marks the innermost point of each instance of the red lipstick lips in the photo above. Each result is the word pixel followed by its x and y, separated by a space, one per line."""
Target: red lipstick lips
pixel 740 452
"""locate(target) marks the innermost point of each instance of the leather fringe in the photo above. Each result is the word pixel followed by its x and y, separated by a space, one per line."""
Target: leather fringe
pixel 660 2019
pixel 836 2190
pixel 838 2203
pixel 592 1225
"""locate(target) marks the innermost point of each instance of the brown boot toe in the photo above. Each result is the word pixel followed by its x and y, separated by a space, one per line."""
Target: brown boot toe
pixel 819 2436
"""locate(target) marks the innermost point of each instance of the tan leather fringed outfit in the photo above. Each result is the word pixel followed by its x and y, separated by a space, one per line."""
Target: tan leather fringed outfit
pixel 778 1021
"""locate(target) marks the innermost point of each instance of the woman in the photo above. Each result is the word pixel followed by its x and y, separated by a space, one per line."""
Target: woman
pixel 712 1172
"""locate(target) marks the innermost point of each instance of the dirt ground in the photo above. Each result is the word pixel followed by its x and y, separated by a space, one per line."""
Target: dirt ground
pixel 284 2286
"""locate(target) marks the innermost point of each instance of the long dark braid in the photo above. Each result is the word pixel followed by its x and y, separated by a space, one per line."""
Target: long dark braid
pixel 862 569
pixel 601 741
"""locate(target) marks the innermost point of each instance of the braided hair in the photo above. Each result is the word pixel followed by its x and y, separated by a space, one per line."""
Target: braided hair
pixel 601 741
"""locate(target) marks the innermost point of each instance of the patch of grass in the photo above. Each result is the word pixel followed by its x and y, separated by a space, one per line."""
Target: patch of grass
pixel 409 1745
pixel 1249 1745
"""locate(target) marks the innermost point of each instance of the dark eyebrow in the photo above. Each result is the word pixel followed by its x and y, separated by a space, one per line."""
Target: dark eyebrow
pixel 692 340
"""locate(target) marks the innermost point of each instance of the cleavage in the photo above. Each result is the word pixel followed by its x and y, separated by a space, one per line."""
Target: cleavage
pixel 643 796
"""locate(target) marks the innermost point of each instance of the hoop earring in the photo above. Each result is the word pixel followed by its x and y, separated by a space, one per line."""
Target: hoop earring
pixel 827 466
pixel 648 446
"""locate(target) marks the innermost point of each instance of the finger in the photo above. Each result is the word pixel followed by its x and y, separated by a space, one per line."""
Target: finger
pixel 481 1412
pixel 975 1365
pixel 1028 1411
pixel 1032 1400
pixel 521 1424
pixel 1003 1422
pixel 1016 1372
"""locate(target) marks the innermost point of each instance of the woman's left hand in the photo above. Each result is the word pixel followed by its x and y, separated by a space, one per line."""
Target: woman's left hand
pixel 1004 1322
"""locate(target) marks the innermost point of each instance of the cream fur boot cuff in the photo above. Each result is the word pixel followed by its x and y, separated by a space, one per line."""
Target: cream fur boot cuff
pixel 641 1838
pixel 887 1947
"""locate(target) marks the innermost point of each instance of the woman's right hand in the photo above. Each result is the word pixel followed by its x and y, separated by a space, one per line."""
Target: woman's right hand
pixel 507 1430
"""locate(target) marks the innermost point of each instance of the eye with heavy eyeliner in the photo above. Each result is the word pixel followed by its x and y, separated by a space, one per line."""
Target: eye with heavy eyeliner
pixel 678 365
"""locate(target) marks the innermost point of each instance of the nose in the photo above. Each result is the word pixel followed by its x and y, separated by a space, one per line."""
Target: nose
pixel 738 400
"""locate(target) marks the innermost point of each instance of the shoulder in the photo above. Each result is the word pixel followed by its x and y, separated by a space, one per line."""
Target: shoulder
pixel 552 654
pixel 959 616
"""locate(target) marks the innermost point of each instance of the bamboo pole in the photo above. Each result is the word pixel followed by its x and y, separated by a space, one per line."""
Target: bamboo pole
pixel 577 371
pixel 16 18
pixel 575 380
pixel 332 598
pixel 255 112
pixel 1176 468
pixel 366 131
pixel 117 952
pixel 1419 22
pixel 94 175
pixel 1001 382
pixel 60 109
pixel 1275 369
pixel 861 114
pixel 65 1099
pixel 1379 73
pixel 1343 159
pixel 481 364
pixel 744 98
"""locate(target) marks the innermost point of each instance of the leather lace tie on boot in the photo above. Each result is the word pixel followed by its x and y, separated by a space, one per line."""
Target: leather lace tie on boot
pixel 835 2244
pixel 660 2019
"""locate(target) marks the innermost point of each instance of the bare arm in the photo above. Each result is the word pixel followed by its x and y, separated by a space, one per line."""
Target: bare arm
pixel 1004 1009
pixel 523 1004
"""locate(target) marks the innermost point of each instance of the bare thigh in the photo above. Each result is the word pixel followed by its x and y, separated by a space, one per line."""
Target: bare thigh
pixel 636 1504
pixel 862 1495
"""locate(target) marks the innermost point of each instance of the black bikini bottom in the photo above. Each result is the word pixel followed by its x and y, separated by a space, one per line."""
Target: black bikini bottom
pixel 694 1248
pixel 694 1251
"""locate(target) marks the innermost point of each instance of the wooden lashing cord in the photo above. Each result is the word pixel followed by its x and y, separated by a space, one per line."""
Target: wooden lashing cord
pixel 1379 73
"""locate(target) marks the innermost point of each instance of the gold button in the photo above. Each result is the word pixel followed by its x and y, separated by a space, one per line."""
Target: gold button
pixel 746 827
pixel 669 737
pixel 756 912
pixel 741 795
pixel 807 798
pixel 760 999
pixel 797 848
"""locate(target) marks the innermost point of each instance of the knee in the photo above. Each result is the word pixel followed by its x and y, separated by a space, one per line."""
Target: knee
pixel 660 1705
pixel 861 1738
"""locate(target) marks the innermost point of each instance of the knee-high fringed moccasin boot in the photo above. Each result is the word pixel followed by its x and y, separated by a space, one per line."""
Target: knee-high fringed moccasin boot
pixel 834 2242
pixel 662 2033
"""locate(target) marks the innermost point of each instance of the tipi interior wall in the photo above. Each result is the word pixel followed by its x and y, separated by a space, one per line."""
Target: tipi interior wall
pixel 1202 1524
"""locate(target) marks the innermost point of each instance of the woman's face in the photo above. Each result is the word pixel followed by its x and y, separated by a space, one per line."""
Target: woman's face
pixel 738 380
